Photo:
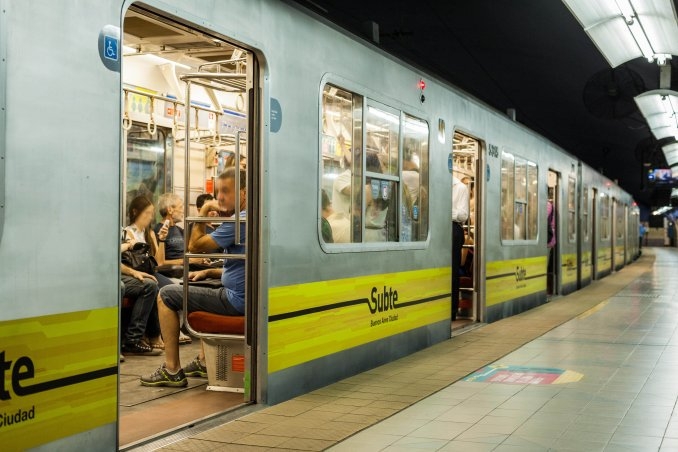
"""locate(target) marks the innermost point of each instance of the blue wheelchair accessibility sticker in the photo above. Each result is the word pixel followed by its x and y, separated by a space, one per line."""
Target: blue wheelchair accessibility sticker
pixel 111 48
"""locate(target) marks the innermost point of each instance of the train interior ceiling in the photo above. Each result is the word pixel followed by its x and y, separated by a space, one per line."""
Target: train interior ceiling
pixel 156 53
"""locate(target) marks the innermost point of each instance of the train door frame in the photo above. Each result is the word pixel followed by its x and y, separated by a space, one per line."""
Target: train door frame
pixel 594 233
pixel 553 276
pixel 254 381
pixel 627 235
pixel 613 234
pixel 476 224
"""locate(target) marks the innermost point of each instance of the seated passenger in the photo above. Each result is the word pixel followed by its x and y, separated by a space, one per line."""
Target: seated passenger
pixel 226 300
pixel 143 288
pixel 141 213
pixel 199 202
pixel 326 211
pixel 376 209
pixel 171 208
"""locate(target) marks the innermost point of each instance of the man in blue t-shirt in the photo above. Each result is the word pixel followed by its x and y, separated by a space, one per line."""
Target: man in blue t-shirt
pixel 226 300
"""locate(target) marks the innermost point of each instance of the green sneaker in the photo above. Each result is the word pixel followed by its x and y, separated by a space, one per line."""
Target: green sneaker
pixel 162 377
pixel 195 369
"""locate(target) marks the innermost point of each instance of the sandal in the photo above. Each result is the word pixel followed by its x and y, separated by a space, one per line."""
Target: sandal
pixel 155 343
pixel 184 339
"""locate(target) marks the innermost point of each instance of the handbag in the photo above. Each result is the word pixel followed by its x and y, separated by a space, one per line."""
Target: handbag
pixel 139 258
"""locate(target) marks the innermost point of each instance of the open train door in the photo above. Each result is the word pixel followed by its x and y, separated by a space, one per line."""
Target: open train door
pixel 467 167
pixel 553 266
pixel 190 100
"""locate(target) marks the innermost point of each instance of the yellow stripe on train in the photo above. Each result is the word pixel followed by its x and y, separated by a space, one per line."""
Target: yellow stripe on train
pixel 515 278
pixel 568 273
pixel 60 376
pixel 309 321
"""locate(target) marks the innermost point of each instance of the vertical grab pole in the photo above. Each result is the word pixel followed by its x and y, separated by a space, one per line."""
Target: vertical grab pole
pixel 187 181
pixel 237 187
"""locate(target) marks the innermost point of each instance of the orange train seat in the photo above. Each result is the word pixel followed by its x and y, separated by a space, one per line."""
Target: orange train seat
pixel 225 358
pixel 207 322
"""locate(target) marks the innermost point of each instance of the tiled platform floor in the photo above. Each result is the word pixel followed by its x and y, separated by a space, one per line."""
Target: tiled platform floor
pixel 626 348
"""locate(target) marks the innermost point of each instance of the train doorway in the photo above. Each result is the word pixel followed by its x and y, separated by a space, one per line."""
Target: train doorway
pixel 189 112
pixel 466 152
pixel 552 230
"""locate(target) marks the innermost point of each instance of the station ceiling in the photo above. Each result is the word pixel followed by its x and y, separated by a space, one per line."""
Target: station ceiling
pixel 532 56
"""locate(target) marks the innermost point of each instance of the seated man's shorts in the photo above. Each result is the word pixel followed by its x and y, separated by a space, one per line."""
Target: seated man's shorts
pixel 199 299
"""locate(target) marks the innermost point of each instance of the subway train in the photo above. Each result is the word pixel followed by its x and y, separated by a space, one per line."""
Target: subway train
pixel 349 155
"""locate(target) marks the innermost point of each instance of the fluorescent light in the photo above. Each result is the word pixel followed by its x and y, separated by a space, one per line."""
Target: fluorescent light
pixel 659 107
pixel 154 59
pixel 393 119
pixel 627 29
pixel 661 210
pixel 671 153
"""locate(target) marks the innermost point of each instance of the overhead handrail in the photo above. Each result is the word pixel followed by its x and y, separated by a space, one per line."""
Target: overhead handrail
pixel 173 100
pixel 197 126
pixel 174 119
pixel 151 126
pixel 126 121
pixel 217 126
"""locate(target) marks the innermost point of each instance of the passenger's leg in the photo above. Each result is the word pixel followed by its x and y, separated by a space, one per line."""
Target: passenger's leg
pixel 169 298
pixel 145 293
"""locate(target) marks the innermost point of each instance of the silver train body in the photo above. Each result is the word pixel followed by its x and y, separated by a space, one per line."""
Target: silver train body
pixel 318 312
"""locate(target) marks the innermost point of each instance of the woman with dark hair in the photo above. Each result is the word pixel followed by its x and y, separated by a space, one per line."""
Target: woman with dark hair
pixel 142 286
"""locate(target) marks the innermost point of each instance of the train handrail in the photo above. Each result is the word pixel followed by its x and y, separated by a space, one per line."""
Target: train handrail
pixel 190 79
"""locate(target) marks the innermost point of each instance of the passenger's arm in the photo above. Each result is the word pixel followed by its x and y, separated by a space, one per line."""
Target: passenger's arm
pixel 200 241
pixel 207 273
pixel 159 250
pixel 125 270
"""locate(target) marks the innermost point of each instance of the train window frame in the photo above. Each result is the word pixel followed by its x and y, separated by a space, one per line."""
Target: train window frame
pixel 585 213
pixel 620 230
pixel 571 209
pixel 371 97
pixel 511 202
pixel 605 220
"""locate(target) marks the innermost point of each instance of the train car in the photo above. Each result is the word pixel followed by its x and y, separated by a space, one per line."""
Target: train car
pixel 348 155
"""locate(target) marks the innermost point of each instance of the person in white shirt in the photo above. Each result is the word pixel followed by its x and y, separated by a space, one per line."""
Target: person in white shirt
pixel 460 212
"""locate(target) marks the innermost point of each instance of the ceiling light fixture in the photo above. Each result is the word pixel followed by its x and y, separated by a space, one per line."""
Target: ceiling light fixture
pixel 659 107
pixel 627 29
pixel 671 154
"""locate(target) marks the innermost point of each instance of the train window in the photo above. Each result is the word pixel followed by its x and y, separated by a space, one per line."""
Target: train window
pixel 341 148
pixel 585 214
pixel 414 196
pixel 571 211
pixel 532 201
pixel 604 217
pixel 507 187
pixel 619 217
pixel 382 163
pixel 519 198
pixel 376 191
pixel 149 168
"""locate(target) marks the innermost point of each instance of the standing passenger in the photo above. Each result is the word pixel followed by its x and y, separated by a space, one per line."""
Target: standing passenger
pixel 460 211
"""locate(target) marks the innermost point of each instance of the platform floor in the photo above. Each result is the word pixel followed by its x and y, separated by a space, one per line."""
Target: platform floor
pixel 617 338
